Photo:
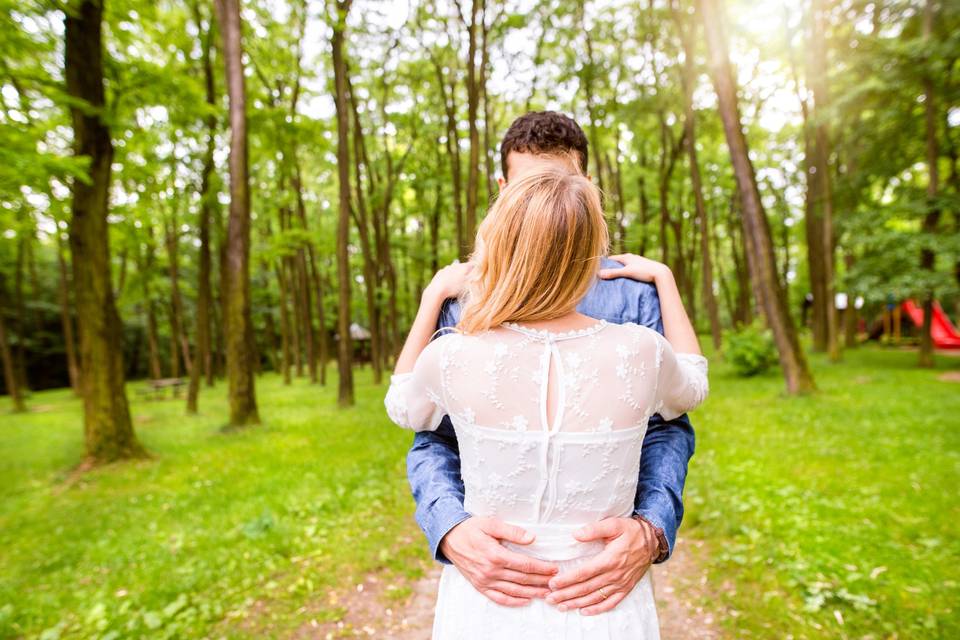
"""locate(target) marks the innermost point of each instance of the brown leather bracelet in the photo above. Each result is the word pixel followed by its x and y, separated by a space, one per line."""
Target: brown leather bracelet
pixel 663 547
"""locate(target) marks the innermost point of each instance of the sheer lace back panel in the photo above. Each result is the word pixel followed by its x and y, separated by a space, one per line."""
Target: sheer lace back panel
pixel 550 425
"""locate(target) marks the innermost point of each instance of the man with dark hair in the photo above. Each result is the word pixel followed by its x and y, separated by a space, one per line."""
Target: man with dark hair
pixel 542 133
pixel 632 543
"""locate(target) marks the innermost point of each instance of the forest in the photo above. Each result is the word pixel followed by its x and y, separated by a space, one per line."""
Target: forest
pixel 205 191
pixel 218 218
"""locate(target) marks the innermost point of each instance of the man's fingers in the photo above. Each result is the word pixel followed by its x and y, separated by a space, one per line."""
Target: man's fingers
pixel 503 531
pixel 594 567
pixel 582 588
pixel 529 579
pixel 525 564
pixel 620 257
pixel 504 599
pixel 518 590
pixel 590 599
pixel 607 605
pixel 603 529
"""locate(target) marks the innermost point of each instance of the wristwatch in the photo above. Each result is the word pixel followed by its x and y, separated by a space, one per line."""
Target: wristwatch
pixel 663 547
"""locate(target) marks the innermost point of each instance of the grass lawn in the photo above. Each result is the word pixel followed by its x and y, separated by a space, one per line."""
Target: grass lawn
pixel 236 535
pixel 837 515
pixel 837 507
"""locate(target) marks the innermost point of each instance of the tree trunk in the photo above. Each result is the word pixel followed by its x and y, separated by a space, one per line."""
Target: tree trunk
pixel 453 153
pixel 285 355
pixel 344 345
pixel 9 370
pixel 689 78
pixel 236 277
pixel 108 429
pixel 588 77
pixel 761 259
pixel 66 318
pixel 21 324
pixel 822 190
pixel 202 360
pixel 644 202
pixel 932 218
pixel 178 332
pixel 322 349
pixel 473 104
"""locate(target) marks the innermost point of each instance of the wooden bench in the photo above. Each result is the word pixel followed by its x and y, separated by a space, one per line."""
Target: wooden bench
pixel 156 388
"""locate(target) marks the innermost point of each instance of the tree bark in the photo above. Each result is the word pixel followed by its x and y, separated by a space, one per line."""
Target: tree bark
pixel 202 360
pixel 108 429
pixel 932 218
pixel 236 277
pixel 473 103
pixel 452 144
pixel 66 318
pixel 9 368
pixel 709 300
pixel 178 333
pixel 688 79
pixel 756 228
pixel 345 394
pixel 822 191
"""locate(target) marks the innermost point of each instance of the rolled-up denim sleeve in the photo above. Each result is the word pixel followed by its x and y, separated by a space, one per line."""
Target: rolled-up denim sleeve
pixel 667 446
pixel 433 470
pixel 667 449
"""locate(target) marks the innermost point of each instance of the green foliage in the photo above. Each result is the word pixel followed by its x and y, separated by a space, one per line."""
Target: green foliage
pixel 750 351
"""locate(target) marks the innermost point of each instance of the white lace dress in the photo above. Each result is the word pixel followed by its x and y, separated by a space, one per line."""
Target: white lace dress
pixel 550 427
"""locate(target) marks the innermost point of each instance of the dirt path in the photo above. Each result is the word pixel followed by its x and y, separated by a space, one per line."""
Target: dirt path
pixel 680 587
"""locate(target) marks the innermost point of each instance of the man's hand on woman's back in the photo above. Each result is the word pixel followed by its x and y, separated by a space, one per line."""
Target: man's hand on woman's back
pixel 506 577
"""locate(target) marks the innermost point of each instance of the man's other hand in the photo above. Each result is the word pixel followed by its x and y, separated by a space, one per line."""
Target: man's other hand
pixel 506 577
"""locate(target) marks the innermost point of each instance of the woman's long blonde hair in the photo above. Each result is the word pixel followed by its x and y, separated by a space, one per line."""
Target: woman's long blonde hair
pixel 537 252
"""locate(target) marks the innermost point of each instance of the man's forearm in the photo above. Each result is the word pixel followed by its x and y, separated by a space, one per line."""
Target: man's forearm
pixel 433 470
pixel 667 448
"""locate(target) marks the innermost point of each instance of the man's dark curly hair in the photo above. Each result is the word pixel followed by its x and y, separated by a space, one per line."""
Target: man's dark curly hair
pixel 543 132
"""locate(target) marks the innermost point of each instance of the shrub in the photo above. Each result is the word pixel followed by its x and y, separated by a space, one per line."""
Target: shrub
pixel 751 351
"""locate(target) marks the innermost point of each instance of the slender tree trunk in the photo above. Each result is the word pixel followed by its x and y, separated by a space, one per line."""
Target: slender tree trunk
pixel 473 106
pixel 761 258
pixel 344 345
pixel 203 360
pixel 108 429
pixel 689 78
pixel 178 332
pixel 823 193
pixel 322 348
pixel 932 218
pixel 453 153
pixel 644 202
pixel 850 316
pixel 9 371
pixel 286 358
pixel 236 277
pixel 369 250
pixel 21 323
pixel 303 274
pixel 66 318
pixel 588 78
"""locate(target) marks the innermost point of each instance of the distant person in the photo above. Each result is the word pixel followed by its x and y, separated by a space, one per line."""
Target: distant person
pixel 533 413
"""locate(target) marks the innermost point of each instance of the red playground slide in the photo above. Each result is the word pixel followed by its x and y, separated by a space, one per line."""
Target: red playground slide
pixel 944 334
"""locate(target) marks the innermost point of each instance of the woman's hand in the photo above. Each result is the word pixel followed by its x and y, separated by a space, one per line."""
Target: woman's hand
pixel 450 281
pixel 637 268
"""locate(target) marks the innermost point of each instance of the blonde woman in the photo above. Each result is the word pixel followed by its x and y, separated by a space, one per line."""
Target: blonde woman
pixel 549 406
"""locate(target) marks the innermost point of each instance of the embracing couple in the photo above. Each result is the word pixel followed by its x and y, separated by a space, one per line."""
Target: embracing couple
pixel 548 386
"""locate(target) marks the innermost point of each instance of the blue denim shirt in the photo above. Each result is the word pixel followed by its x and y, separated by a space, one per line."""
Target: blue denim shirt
pixel 433 463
